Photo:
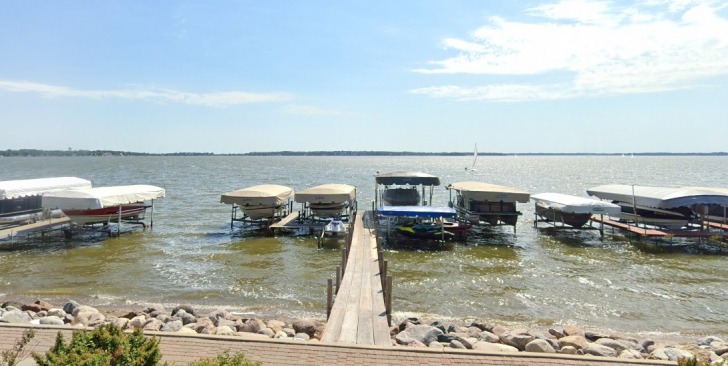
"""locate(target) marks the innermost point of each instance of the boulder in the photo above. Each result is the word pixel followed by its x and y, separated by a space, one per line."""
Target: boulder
pixel 647 343
pixel 57 312
pixel 446 338
pixel 482 326
pixel 301 336
pixel 408 322
pixel 172 326
pixel 715 359
pixel 670 354
pixel 138 321
pixel 421 333
pixel 706 341
pixel 186 317
pixel 226 331
pixel 185 330
pixel 467 342
pixel 630 354
pixel 415 344
pixel 577 342
pixel 455 344
pixel 153 324
pixel 439 325
pixel 154 310
pixel 120 322
pixel 499 330
pixel 276 325
pixel 618 345
pixel 268 332
pixel 221 322
pixel 516 339
pixel 572 330
pixel 539 346
pixel 289 331
pixel 70 306
pixel 593 336
pixel 216 315
pixel 308 326
pixel 16 317
pixel 437 345
pixel 31 307
pixel 188 309
pixel 486 336
pixel 494 347
pixel 204 326
pixel 568 350
pixel 96 319
pixel 282 335
pixel 51 320
pixel 251 326
pixel 598 350
pixel 84 311
pixel 11 305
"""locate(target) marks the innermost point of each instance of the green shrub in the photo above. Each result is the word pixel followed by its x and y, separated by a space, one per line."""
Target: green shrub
pixel 18 353
pixel 106 345
pixel 224 359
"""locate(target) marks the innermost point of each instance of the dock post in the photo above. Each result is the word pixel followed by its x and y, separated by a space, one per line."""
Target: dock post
pixel 329 298
pixel 380 259
pixel 601 225
pixel 343 261
pixel 388 300
pixel 151 218
pixel 338 278
pixel 383 273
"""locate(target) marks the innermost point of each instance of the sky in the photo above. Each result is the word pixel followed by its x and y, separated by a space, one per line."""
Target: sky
pixel 431 76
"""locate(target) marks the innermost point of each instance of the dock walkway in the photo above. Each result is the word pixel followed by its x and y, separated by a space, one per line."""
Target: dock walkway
pixel 358 314
pixel 38 226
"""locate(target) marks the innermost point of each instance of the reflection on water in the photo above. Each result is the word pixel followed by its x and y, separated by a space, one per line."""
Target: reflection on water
pixel 531 277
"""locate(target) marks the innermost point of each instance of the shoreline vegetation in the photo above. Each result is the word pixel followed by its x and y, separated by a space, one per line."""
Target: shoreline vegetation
pixel 72 153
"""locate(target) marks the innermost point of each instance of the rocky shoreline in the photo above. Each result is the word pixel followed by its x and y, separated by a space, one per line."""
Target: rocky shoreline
pixel 410 332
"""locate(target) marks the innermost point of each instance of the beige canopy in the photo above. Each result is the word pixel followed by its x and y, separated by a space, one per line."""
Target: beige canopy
pixel 478 191
pixel 327 193
pixel 271 195
pixel 95 198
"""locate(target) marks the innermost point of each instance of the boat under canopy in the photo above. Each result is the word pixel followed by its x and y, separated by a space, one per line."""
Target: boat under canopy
pixel 327 200
pixel 661 197
pixel 261 201
pixel 571 210
pixel 103 204
pixel 491 203
pixel 401 188
pixel 418 211
pixel 35 187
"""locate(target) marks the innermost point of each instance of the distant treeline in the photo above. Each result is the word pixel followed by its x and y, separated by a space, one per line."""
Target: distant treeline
pixel 36 152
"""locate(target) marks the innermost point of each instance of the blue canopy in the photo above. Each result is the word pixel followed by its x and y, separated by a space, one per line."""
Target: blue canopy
pixel 418 211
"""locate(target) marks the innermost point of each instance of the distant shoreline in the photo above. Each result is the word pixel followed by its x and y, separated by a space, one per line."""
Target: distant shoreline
pixel 76 153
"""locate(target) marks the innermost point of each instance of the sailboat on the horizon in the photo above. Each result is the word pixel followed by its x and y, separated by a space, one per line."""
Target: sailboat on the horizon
pixel 475 158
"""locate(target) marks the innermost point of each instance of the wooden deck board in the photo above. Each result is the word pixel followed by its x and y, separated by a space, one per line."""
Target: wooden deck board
pixel 39 225
pixel 285 221
pixel 358 314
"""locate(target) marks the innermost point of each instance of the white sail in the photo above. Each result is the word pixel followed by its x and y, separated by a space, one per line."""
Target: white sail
pixel 475 157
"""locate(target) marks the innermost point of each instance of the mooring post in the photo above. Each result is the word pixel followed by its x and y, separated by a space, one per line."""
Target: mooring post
pixel 388 300
pixel 338 278
pixel 329 298
pixel 343 262
pixel 380 259
pixel 383 274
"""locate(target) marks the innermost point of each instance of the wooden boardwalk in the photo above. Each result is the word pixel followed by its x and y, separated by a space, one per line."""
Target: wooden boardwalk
pixel 285 221
pixel 654 233
pixel 358 314
pixel 38 226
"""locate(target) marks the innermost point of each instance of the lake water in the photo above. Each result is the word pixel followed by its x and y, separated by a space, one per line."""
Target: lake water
pixel 535 278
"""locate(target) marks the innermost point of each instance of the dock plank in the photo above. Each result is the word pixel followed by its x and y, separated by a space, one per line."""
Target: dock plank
pixel 358 314
pixel 285 221
pixel 39 225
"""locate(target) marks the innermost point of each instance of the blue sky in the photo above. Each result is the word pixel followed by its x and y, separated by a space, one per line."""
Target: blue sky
pixel 240 76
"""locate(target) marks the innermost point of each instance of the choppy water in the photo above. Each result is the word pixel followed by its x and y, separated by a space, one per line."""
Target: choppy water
pixel 536 278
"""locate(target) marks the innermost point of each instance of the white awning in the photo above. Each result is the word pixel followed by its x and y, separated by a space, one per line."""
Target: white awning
pixel 478 191
pixel 270 195
pixel 33 187
pixel 327 193
pixel 661 197
pixel 574 204
pixel 95 198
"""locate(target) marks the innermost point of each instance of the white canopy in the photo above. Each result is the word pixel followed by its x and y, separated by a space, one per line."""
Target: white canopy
pixel 661 197
pixel 270 195
pixel 478 191
pixel 33 187
pixel 95 198
pixel 574 204
pixel 327 193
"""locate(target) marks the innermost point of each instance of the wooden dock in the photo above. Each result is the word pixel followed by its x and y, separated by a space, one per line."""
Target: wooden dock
pixel 38 226
pixel 358 314
pixel 654 233
pixel 285 221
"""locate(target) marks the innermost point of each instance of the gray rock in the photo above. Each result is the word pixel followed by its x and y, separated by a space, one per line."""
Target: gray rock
pixel 57 312
pixel 715 359
pixel 719 347
pixel 486 336
pixel 80 320
pixel 483 326
pixel 51 320
pixel 415 344
pixel 577 342
pixel 267 331
pixel 172 326
pixel 614 344
pixel 251 326
pixel 556 333
pixel 494 347
pixel 281 335
pixel 96 319
pixel 154 310
pixel 120 322
pixel 516 340
pixel 226 331
pixel 16 317
pixel 435 345
pixel 301 336
pixel 186 317
pixel 84 311
pixel 153 325
pixel 467 342
pixel 138 321
pixel 499 330
pixel 216 315
pixel 568 350
pixel 670 354
pixel 456 344
pixel 308 326
pixel 70 307
pixel 598 350
pixel 439 326
pixel 539 346
pixel 593 336
pixel 706 341
pixel 289 331
pixel 188 309
pixel 421 333
pixel 221 322
pixel 647 343
pixel 185 330
pixel 408 322
pixel 204 326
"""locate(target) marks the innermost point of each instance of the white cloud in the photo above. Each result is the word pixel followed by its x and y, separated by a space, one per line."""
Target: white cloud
pixel 154 95
pixel 598 48
pixel 309 110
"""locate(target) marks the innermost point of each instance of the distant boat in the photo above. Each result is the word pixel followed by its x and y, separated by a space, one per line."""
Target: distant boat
pixel 475 158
